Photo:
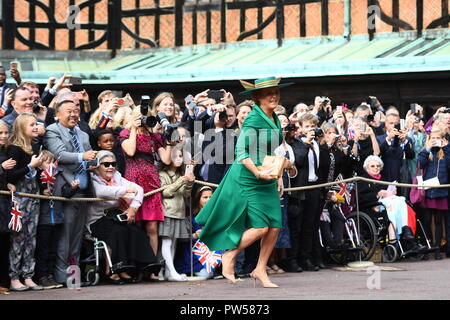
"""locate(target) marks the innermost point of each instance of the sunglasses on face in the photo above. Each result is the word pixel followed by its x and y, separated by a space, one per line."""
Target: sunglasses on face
pixel 109 164
pixel 375 166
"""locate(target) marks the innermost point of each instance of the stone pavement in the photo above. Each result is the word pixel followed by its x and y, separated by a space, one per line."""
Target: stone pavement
pixel 401 280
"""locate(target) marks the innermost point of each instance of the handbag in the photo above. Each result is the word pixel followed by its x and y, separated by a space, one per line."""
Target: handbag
pixel 275 164
pixel 417 194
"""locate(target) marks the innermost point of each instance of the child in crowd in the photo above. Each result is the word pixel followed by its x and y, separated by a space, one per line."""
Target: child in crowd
pixel 435 161
pixel 183 261
pixel 174 225
pixel 106 140
pixel 51 220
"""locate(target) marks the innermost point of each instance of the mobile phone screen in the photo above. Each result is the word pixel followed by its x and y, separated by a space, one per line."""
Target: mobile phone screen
pixel 362 127
pixel 122 217
pixel 75 80
pixel 189 169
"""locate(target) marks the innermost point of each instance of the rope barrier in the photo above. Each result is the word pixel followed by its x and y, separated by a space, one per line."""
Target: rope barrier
pixel 322 185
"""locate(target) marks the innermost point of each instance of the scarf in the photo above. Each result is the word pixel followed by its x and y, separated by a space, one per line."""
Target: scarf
pixel 377 176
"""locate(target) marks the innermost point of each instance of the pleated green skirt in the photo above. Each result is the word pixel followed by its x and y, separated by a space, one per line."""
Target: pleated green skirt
pixel 240 202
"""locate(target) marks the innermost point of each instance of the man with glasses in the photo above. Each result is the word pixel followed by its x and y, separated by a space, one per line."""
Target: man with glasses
pixel 73 151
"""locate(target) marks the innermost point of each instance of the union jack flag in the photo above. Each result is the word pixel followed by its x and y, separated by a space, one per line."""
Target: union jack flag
pixel 16 223
pixel 343 189
pixel 48 175
pixel 209 259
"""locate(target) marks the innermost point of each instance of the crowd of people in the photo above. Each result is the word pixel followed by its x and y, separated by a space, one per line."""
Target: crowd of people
pixel 52 143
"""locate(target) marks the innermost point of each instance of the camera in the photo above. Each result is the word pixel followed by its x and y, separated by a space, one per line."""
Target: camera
pixel 170 130
pixel 325 100
pixel 216 95
pixel 397 126
pixel 370 118
pixel 290 127
pixel 147 121
pixel 318 132
pixel 223 117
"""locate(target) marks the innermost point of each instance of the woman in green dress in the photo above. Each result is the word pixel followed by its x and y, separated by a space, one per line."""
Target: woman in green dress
pixel 246 205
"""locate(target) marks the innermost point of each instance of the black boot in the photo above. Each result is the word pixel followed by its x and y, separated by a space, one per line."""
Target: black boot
pixel 407 233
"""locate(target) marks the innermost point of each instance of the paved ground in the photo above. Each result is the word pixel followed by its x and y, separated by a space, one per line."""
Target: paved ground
pixel 409 280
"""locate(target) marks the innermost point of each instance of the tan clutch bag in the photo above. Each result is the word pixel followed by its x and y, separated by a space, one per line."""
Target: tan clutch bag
pixel 275 164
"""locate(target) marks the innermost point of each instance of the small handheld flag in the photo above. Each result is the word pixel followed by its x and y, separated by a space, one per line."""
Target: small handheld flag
pixel 209 259
pixel 16 220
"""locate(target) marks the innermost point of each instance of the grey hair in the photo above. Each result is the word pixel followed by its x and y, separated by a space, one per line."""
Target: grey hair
pixel 105 153
pixel 371 158
pixel 327 126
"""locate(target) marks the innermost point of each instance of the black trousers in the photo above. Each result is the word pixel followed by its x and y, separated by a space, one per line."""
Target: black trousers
pixel 46 245
pixel 4 259
pixel 332 232
pixel 303 220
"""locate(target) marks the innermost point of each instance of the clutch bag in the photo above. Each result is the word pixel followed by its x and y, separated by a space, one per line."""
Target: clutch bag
pixel 275 164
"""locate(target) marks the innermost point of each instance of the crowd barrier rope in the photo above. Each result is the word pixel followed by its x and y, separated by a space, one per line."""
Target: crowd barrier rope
pixel 354 179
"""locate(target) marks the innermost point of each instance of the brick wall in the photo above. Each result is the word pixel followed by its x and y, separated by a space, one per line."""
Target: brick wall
pixel 432 11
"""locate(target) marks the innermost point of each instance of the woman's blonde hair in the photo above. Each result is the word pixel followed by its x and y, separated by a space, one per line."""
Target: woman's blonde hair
pixel 95 118
pixel 5 125
pixel 18 137
pixel 119 117
pixel 440 153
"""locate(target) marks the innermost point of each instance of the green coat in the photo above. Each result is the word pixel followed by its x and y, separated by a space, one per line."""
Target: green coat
pixel 242 201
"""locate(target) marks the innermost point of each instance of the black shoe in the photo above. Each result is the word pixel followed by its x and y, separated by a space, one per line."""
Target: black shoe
pixel 53 282
pixel 243 275
pixel 292 267
pixel 308 266
pixel 45 283
pixel 152 268
pixel 426 257
pixel 321 265
pixel 437 256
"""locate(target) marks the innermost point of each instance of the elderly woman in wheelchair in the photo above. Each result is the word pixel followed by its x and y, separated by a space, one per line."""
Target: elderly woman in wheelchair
pixel 112 221
pixel 388 210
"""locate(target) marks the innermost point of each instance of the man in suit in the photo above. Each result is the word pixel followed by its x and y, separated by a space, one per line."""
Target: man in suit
pixel 71 147
pixel 304 211
pixel 393 144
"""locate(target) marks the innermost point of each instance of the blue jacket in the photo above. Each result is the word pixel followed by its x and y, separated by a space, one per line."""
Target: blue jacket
pixel 431 168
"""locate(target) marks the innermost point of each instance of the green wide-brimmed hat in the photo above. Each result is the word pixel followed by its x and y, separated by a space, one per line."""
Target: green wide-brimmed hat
pixel 263 83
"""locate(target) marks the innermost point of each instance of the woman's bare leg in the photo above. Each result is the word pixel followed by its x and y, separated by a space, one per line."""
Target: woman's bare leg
pixel 267 245
pixel 151 227
pixel 229 257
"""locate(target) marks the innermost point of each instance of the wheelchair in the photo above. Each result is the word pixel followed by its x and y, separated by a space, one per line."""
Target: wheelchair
pixel 94 256
pixel 358 242
pixel 364 231
pixel 414 248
